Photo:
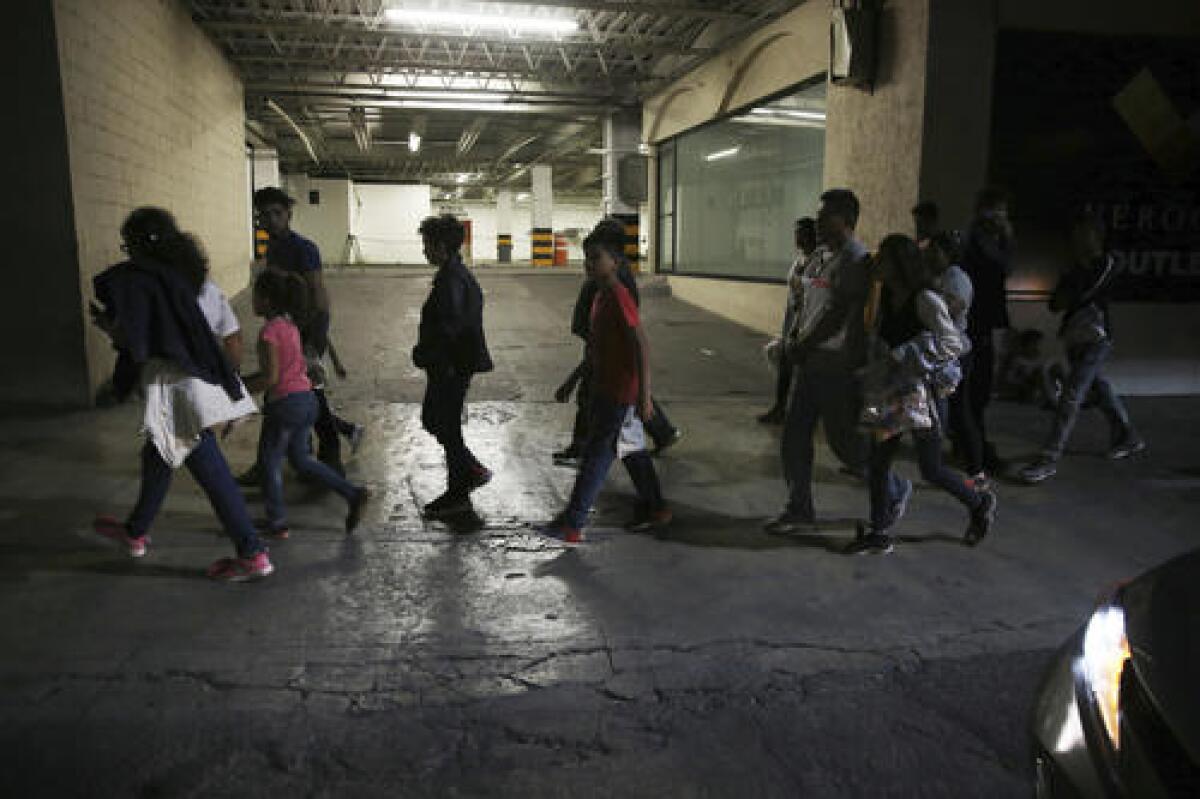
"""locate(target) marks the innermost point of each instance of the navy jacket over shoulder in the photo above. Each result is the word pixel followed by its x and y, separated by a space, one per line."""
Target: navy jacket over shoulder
pixel 451 332
pixel 158 316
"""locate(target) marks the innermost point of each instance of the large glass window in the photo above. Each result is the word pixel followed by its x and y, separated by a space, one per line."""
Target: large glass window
pixel 730 192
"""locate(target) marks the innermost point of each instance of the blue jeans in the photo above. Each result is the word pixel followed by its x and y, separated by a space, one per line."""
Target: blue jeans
pixel 823 388
pixel 605 418
pixel 286 425
pixel 1084 363
pixel 211 472
pixel 884 485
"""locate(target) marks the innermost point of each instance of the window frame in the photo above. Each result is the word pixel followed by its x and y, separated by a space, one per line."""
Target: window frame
pixel 673 141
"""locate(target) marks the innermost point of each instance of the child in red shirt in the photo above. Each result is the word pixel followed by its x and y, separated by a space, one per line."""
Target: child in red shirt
pixel 619 357
pixel 291 407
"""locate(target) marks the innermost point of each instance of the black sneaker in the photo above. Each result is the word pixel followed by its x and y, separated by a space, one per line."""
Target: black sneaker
pixel 787 523
pixel 871 543
pixel 354 512
pixel 982 519
pixel 1041 469
pixel 773 416
pixel 672 440
pixel 646 521
pixel 452 503
pixel 1129 445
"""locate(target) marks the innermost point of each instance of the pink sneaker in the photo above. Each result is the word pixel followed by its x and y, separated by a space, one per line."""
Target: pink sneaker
pixel 115 530
pixel 239 570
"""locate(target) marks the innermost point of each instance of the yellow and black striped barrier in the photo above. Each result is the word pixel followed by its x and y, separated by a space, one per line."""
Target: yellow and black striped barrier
pixel 630 221
pixel 542 250
pixel 503 248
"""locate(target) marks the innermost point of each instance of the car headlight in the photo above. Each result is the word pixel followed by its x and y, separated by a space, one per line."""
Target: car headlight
pixel 1105 653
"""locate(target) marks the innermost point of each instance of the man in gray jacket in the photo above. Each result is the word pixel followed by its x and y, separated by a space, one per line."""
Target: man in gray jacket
pixel 827 346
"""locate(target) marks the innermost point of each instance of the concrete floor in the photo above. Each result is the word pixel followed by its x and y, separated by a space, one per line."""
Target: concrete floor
pixel 416 660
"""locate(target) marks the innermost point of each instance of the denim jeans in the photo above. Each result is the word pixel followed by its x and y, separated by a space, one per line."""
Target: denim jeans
pixel 211 472
pixel 884 486
pixel 605 419
pixel 824 388
pixel 286 425
pixel 1084 363
pixel 441 416
pixel 658 427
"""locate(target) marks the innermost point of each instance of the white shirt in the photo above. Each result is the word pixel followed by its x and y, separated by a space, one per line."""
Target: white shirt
pixel 218 311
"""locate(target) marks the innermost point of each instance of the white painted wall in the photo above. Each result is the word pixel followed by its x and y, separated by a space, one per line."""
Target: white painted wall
pixel 385 218
pixel 328 222
pixel 386 221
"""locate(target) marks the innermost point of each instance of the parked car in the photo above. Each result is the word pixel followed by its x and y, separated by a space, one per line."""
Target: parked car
pixel 1118 714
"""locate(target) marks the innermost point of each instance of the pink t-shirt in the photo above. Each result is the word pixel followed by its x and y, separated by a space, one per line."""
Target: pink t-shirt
pixel 293 371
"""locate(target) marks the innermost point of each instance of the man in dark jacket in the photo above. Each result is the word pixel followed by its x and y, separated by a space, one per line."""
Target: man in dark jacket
pixel 1082 298
pixel 451 348
pixel 987 260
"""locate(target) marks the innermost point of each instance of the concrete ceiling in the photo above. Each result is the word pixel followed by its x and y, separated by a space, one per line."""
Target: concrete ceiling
pixel 486 103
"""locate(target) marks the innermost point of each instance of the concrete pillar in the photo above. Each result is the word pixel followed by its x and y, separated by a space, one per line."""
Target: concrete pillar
pixel 542 215
pixel 504 227
pixel 622 135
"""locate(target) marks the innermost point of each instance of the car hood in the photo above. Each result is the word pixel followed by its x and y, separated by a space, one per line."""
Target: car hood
pixel 1162 622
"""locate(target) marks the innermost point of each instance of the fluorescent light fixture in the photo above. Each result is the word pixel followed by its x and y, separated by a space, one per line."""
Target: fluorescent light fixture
pixel 454 106
pixel 462 177
pixel 732 151
pixel 794 113
pixel 414 141
pixel 406 16
pixel 523 196
pixel 470 97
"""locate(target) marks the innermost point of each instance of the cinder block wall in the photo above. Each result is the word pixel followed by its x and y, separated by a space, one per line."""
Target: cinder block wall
pixel 154 116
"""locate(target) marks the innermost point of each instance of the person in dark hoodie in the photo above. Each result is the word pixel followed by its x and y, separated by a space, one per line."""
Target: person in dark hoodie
pixel 451 348
pixel 149 307
pixel 988 260
pixel 1082 297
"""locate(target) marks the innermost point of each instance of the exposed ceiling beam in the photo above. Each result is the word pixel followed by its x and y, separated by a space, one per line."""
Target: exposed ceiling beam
pixel 373 37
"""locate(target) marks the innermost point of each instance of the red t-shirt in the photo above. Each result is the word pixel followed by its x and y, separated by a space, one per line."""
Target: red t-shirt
pixel 293 369
pixel 612 347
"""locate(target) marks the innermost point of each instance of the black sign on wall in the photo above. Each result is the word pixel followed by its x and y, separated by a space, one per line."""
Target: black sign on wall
pixel 1112 123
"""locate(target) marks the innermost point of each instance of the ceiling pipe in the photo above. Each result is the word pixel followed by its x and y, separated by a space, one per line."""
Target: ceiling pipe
pixel 303 136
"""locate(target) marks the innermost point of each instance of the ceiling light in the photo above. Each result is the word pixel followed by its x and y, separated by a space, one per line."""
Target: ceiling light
pixel 816 116
pixel 463 177
pixel 456 106
pixel 414 141
pixel 523 196
pixel 723 154
pixel 405 16
pixel 480 97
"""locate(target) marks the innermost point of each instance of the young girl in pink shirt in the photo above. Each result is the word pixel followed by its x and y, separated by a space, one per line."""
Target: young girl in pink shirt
pixel 291 408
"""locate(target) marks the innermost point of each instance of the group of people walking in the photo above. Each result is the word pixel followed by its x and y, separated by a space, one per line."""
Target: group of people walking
pixel 179 346
pixel 903 342
pixel 873 347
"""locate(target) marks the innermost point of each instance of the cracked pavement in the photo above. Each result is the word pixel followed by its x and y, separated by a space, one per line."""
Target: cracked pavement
pixel 420 659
